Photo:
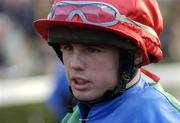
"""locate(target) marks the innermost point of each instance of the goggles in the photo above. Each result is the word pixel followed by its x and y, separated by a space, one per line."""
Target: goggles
pixel 97 13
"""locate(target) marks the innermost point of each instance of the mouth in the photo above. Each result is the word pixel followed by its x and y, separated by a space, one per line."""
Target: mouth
pixel 79 84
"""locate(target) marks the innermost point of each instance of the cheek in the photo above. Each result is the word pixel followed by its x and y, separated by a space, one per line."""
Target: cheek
pixel 66 61
pixel 67 70
pixel 105 73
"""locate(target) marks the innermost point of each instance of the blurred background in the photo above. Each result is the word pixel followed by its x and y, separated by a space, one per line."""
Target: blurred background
pixel 28 65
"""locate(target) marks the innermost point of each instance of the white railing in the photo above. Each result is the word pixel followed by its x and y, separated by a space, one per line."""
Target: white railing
pixel 37 89
pixel 25 90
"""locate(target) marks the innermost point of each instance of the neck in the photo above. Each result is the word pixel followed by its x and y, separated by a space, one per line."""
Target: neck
pixel 134 80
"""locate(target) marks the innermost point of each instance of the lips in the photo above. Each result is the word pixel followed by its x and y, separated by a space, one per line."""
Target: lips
pixel 79 84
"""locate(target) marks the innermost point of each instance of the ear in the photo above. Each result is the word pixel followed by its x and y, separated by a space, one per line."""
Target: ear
pixel 138 59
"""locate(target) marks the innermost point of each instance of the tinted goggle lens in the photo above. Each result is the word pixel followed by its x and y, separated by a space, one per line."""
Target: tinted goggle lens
pixel 95 13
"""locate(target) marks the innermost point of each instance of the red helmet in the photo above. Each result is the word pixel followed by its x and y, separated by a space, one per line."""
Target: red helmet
pixel 138 20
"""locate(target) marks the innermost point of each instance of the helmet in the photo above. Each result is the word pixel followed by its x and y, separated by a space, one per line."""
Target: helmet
pixel 137 20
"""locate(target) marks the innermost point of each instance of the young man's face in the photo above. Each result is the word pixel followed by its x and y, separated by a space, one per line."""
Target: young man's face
pixel 91 69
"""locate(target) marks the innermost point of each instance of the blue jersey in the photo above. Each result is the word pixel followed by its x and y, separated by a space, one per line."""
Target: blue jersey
pixel 142 103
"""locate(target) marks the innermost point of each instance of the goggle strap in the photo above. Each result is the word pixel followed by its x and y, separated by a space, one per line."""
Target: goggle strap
pixel 123 18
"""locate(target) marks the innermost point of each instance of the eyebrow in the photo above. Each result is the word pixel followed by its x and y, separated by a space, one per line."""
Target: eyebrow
pixel 87 45
pixel 94 45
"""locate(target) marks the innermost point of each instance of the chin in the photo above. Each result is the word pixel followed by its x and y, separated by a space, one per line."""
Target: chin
pixel 84 97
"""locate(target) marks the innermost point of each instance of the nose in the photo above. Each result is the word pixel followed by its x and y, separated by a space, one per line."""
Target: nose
pixel 77 62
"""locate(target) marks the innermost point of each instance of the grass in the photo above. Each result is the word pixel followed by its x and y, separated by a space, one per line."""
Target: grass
pixel 33 113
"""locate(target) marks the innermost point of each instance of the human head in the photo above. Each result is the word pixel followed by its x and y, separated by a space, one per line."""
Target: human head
pixel 134 25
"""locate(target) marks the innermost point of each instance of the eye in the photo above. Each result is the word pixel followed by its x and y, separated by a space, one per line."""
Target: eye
pixel 66 48
pixel 92 49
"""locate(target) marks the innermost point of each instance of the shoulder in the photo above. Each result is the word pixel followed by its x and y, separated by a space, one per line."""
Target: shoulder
pixel 153 103
pixel 153 97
